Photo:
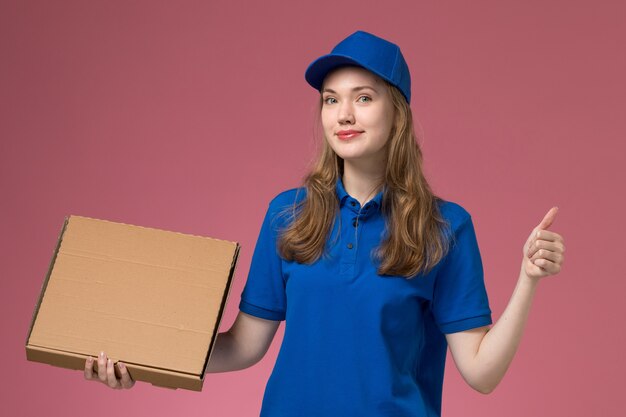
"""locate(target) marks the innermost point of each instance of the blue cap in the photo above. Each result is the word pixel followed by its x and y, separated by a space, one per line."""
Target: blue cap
pixel 363 49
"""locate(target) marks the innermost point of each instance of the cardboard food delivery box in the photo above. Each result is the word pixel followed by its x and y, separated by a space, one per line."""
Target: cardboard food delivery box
pixel 150 298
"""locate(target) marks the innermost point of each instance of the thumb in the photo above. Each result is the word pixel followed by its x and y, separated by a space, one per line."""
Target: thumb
pixel 548 219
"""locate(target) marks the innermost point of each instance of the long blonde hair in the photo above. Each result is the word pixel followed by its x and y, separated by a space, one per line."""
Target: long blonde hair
pixel 417 235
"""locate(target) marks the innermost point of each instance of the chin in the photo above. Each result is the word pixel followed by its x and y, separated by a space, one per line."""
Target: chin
pixel 354 158
pixel 346 152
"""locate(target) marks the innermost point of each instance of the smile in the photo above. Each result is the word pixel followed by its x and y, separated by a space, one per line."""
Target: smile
pixel 348 134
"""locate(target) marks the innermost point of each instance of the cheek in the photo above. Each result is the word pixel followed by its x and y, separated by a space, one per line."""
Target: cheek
pixel 326 121
pixel 388 122
pixel 384 124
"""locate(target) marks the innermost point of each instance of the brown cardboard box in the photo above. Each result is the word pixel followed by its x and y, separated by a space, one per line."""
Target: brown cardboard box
pixel 150 298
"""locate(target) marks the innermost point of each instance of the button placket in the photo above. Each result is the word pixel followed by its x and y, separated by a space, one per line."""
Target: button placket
pixel 355 223
pixel 349 244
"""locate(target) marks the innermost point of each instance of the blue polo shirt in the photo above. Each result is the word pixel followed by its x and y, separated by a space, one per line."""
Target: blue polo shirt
pixel 357 343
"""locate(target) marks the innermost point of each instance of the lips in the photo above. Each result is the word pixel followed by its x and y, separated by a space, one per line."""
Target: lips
pixel 348 134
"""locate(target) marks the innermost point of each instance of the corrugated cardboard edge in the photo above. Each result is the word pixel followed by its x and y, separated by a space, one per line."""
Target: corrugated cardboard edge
pixel 231 275
pixel 160 377
pixel 45 282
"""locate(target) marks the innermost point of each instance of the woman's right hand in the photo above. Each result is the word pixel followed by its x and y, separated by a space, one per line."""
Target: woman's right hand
pixel 106 373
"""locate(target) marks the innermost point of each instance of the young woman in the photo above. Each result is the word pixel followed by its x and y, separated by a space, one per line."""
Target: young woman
pixel 374 275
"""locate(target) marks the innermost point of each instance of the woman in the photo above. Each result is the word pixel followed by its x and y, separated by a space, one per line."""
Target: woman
pixel 374 274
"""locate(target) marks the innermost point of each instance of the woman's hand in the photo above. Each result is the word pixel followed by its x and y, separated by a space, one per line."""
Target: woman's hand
pixel 106 373
pixel 543 251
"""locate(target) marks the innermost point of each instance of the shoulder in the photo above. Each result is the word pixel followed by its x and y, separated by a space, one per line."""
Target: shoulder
pixel 455 214
pixel 282 206
pixel 287 198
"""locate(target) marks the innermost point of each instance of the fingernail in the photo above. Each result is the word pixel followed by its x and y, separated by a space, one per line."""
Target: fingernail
pixel 109 361
pixel 89 359
pixel 102 354
pixel 120 364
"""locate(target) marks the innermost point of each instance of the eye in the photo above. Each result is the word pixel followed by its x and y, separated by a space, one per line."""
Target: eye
pixel 364 99
pixel 329 100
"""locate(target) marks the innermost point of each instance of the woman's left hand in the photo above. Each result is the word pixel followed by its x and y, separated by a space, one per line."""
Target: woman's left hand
pixel 543 251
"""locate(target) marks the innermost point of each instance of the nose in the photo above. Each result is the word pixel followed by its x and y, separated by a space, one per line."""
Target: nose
pixel 346 113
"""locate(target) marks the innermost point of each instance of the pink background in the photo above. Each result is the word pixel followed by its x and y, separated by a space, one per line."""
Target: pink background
pixel 192 115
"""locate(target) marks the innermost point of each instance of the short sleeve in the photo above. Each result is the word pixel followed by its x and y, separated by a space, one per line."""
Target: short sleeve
pixel 460 299
pixel 264 293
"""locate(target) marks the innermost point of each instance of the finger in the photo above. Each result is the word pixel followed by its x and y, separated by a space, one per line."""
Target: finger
pixel 548 218
pixel 541 237
pixel 548 266
pixel 125 379
pixel 543 244
pixel 89 368
pixel 102 369
pixel 548 235
pixel 111 379
pixel 546 254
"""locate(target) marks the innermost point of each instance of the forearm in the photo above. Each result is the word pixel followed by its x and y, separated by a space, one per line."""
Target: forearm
pixel 497 348
pixel 228 356
pixel 482 356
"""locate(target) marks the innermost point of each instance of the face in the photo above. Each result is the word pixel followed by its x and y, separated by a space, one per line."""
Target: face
pixel 357 115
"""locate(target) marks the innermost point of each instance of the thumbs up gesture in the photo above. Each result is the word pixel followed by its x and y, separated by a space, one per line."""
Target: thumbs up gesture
pixel 543 251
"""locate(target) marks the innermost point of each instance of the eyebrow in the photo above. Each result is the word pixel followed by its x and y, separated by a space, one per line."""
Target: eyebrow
pixel 358 88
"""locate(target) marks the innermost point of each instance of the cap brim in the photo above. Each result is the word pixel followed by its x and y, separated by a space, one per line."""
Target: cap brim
pixel 319 69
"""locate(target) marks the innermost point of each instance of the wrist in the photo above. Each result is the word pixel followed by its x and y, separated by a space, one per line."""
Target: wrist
pixel 527 281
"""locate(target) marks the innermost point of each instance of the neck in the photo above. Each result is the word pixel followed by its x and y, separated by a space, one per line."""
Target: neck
pixel 362 181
